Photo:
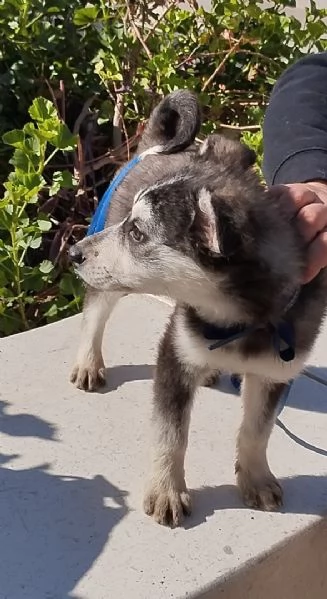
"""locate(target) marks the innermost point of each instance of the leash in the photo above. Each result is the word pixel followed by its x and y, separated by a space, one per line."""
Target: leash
pixel 99 218
pixel 236 382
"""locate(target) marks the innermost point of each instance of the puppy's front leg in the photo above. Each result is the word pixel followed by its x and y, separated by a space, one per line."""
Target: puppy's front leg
pixel 88 372
pixel 167 498
pixel 258 486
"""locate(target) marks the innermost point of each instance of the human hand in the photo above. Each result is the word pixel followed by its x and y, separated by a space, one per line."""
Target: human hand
pixel 308 203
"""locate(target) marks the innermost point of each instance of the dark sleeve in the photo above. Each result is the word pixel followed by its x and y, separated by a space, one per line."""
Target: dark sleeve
pixel 295 124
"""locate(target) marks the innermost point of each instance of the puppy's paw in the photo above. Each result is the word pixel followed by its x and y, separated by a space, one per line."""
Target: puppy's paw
pixel 260 493
pixel 168 505
pixel 89 375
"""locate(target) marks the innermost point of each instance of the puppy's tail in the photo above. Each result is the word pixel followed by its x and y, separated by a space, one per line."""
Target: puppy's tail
pixel 174 123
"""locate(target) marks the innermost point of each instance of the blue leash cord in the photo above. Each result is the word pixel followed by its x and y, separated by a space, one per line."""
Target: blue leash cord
pixel 99 219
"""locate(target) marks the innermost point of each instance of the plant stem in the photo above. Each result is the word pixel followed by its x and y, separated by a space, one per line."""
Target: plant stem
pixel 48 160
pixel 17 282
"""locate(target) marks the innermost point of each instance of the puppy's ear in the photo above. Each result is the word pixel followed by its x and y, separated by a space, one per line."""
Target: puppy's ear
pixel 227 152
pixel 174 123
pixel 213 226
pixel 206 223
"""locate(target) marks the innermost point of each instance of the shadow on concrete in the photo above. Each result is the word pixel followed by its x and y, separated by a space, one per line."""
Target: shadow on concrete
pixel 7 458
pixel 126 373
pixel 317 372
pixel 116 376
pixel 24 425
pixel 306 396
pixel 303 494
pixel 304 400
pixel 52 529
pixel 308 399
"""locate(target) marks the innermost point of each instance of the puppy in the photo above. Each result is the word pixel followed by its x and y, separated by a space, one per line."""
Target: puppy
pixel 196 224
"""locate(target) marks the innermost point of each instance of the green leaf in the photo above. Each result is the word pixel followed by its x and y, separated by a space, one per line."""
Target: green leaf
pixel 53 311
pixel 54 188
pixel 44 225
pixel 46 266
pixel 42 110
pixel 106 112
pixel 317 29
pixel 32 181
pixel 70 285
pixel 20 160
pixel 14 138
pixel 9 323
pixel 5 220
pixel 35 243
pixel 85 16
pixel 64 140
pixel 47 131
pixel 32 280
pixel 29 128
pixel 61 179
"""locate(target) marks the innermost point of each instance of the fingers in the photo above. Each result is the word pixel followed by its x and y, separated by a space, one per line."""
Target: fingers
pixel 317 257
pixel 298 195
pixel 311 220
pixel 307 202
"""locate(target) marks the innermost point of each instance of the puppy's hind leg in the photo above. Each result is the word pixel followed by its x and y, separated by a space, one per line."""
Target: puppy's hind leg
pixel 257 484
pixel 88 372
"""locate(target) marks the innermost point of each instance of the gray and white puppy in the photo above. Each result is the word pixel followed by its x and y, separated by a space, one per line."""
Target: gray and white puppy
pixel 195 224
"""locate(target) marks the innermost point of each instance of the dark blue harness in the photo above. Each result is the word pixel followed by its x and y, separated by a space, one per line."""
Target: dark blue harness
pixel 282 336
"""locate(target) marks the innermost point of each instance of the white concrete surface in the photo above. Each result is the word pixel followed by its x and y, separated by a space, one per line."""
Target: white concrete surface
pixel 72 467
pixel 317 368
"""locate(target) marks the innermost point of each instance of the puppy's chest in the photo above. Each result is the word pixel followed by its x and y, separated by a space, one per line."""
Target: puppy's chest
pixel 254 353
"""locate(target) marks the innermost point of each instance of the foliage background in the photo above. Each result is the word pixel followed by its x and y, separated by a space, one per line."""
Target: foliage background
pixel 77 83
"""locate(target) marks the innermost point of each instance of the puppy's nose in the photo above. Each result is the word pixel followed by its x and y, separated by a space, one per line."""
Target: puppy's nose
pixel 76 254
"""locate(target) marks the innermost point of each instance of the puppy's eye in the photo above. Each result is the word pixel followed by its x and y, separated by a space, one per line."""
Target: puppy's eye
pixel 136 234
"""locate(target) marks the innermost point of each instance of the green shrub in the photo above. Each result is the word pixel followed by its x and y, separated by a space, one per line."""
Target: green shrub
pixel 30 293
pixel 100 67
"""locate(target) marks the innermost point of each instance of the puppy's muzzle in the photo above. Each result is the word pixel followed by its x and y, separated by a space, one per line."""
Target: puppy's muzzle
pixel 76 254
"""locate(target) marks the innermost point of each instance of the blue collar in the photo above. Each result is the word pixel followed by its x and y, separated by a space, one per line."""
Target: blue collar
pixel 99 218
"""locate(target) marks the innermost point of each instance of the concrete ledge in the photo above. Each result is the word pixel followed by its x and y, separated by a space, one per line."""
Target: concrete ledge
pixel 296 569
pixel 72 467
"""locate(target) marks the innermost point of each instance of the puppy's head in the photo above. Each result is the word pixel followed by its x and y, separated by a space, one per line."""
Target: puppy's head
pixel 184 233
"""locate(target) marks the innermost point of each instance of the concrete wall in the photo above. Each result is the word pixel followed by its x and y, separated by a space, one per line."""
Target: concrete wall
pixel 298 570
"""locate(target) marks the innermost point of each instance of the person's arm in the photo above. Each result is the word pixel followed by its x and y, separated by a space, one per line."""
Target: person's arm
pixel 295 151
pixel 295 124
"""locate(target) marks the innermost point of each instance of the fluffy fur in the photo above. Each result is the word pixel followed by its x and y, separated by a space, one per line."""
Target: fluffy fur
pixel 195 224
